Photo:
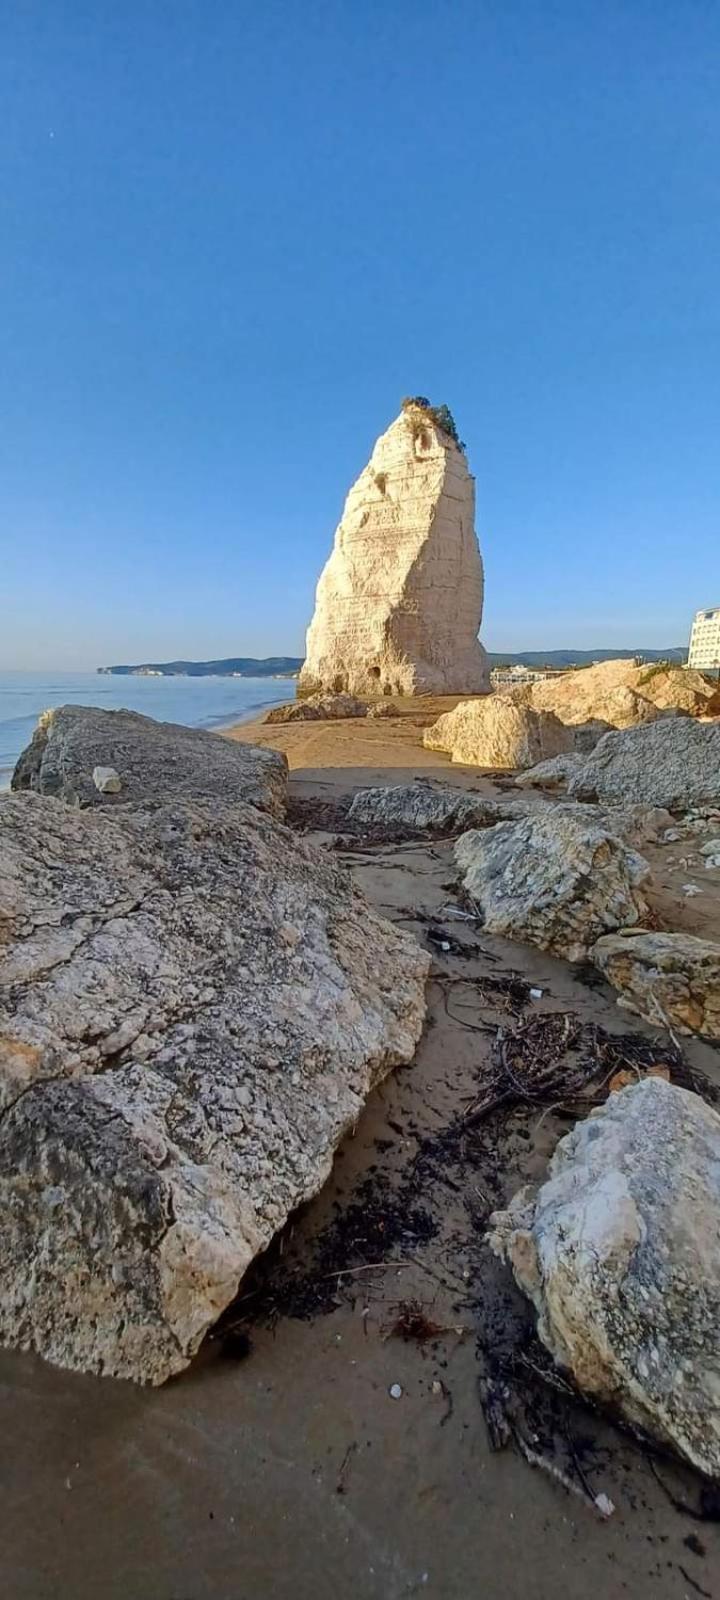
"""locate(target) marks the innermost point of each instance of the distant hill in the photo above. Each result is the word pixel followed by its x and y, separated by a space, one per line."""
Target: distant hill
pixel 243 666
pixel 580 658
pixel 286 666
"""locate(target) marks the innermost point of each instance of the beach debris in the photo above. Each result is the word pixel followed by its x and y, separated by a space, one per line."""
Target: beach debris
pixel 553 880
pixel 158 760
pixel 107 780
pixel 495 733
pixel 341 1485
pixel 412 1323
pixel 399 602
pixel 690 890
pixel 180 1073
pixel 395 1391
pixel 673 762
pixel 617 1251
pixel 555 1060
pixel 671 978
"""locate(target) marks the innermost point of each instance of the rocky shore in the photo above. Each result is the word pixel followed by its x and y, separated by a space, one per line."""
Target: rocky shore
pixel 212 960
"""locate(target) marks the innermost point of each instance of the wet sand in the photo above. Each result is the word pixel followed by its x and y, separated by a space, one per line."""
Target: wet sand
pixel 279 1465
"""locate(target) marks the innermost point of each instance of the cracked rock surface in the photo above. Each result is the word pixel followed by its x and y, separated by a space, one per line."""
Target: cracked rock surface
pixel 618 1251
pixel 194 1004
pixel 151 759
pixel 555 880
pixel 664 977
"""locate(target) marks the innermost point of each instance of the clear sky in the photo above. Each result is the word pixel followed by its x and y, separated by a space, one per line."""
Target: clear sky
pixel 233 236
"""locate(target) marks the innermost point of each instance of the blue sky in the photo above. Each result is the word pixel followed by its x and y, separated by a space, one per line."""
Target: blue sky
pixel 233 236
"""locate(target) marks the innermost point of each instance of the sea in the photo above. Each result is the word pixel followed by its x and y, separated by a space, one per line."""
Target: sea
pixel 196 702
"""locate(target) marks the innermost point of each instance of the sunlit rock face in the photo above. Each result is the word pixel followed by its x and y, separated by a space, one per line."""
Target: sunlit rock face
pixel 399 602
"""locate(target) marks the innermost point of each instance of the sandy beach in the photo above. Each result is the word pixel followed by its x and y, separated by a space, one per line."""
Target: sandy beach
pixel 280 1463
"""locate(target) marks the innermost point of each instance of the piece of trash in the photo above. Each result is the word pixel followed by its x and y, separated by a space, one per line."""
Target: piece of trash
pixel 691 888
pixel 604 1504
pixel 395 1391
pixel 536 994
pixel 436 1387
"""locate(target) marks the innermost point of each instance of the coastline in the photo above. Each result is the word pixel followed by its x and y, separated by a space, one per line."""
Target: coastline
pixel 214 704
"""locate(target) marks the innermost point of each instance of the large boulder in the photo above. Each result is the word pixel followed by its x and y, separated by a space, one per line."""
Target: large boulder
pixel 674 762
pixel 399 602
pixel 318 708
pixel 496 733
pixel 575 696
pixel 672 688
pixel 619 694
pixel 555 879
pixel 619 1253
pixel 437 809
pixel 664 977
pixel 151 760
pixel 620 707
pixel 194 1004
pixel 433 809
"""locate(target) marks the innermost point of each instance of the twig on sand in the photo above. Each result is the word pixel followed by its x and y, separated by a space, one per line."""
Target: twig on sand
pixel 598 1502
pixel 369 1266
pixel 664 1018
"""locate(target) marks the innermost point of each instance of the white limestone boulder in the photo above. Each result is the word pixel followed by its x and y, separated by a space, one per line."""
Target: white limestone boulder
pixel 619 1252
pixel 399 603
pixel 496 734
pixel 194 1005
pixel 556 880
pixel 667 978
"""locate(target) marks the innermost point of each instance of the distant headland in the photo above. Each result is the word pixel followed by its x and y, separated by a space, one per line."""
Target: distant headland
pixel 231 667
pixel 289 666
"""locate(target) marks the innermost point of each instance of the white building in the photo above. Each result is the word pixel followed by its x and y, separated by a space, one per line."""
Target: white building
pixel 705 640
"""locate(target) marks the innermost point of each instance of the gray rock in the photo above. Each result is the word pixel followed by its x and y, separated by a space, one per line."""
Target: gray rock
pixel 555 880
pixel 665 977
pixel 619 1252
pixel 437 809
pixel 156 759
pixel 673 762
pixel 552 774
pixel 318 708
pixel 194 1004
pixel 434 809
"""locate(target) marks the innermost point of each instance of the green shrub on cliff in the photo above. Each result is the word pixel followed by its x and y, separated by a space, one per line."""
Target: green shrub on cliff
pixel 441 415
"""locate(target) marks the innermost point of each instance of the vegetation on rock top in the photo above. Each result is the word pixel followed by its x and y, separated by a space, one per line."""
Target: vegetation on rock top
pixel 441 415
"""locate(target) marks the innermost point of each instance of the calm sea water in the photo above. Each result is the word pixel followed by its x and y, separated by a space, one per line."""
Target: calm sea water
pixel 197 702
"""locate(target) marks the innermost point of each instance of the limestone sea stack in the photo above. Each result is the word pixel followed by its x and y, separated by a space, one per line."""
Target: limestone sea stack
pixel 399 602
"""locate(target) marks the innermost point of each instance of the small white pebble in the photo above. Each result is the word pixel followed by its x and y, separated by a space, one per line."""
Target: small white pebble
pixel 395 1391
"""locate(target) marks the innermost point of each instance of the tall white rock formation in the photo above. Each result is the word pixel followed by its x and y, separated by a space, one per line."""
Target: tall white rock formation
pixel 399 602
